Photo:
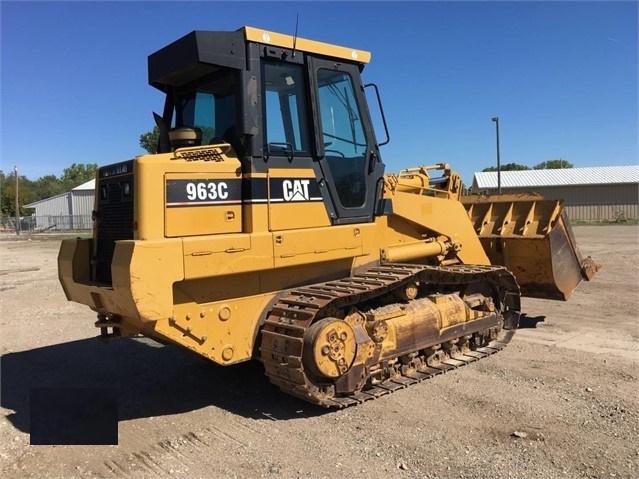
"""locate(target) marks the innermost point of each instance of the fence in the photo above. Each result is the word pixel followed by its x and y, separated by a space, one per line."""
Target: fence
pixel 609 212
pixel 47 224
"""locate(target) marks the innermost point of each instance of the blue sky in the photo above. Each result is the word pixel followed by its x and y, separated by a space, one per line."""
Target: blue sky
pixel 561 76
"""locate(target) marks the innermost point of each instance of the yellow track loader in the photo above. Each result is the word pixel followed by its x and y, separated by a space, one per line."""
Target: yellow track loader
pixel 265 228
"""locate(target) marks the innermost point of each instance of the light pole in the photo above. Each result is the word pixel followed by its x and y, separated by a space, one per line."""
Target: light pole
pixel 496 120
pixel 15 173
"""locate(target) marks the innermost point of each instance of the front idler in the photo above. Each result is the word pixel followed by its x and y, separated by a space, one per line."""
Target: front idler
pixel 329 348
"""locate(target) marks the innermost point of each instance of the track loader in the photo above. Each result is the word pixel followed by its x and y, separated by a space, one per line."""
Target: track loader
pixel 265 228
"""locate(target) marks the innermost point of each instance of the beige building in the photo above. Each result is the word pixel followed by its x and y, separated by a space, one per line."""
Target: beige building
pixel 67 211
pixel 600 193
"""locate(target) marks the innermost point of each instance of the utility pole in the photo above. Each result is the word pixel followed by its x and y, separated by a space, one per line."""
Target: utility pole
pixel 15 173
pixel 496 120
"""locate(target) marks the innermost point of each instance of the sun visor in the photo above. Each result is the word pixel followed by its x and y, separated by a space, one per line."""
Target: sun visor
pixel 195 55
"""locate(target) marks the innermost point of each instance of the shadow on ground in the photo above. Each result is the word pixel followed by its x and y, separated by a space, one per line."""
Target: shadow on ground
pixel 151 379
pixel 526 321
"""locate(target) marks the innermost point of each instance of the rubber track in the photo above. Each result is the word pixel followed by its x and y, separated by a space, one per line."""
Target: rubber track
pixel 283 332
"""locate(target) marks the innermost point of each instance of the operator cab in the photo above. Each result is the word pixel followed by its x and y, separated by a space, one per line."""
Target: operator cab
pixel 281 103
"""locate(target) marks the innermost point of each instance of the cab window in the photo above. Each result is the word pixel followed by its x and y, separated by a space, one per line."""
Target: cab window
pixel 210 107
pixel 343 136
pixel 285 116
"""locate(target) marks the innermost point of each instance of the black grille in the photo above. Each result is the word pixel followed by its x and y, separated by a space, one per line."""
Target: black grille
pixel 115 220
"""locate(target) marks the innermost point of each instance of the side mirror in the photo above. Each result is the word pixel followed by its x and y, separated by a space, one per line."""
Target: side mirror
pixel 381 111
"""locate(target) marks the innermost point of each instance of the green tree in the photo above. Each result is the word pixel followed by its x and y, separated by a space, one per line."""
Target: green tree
pixel 208 133
pixel 47 186
pixel 78 173
pixel 553 165
pixel 8 198
pixel 508 167
pixel 149 140
pixel 3 186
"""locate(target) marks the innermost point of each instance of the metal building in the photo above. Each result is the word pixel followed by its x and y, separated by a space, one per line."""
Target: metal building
pixel 67 211
pixel 600 193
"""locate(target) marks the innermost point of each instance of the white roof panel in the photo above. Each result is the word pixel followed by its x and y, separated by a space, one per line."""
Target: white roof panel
pixel 595 175
pixel 89 185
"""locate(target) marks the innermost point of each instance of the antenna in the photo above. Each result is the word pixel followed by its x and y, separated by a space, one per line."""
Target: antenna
pixel 297 18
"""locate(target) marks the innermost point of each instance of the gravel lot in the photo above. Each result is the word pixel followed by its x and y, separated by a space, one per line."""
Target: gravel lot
pixel 560 401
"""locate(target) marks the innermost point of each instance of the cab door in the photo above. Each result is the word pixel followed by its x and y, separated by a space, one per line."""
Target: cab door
pixel 348 155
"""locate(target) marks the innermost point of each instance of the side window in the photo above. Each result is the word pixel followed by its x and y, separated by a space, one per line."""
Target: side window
pixel 285 114
pixel 211 107
pixel 343 136
pixel 199 112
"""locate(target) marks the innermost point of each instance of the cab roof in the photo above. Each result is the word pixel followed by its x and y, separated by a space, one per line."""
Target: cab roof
pixel 286 41
pixel 200 52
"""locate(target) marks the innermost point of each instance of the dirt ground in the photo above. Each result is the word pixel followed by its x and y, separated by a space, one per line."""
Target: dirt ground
pixel 567 384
